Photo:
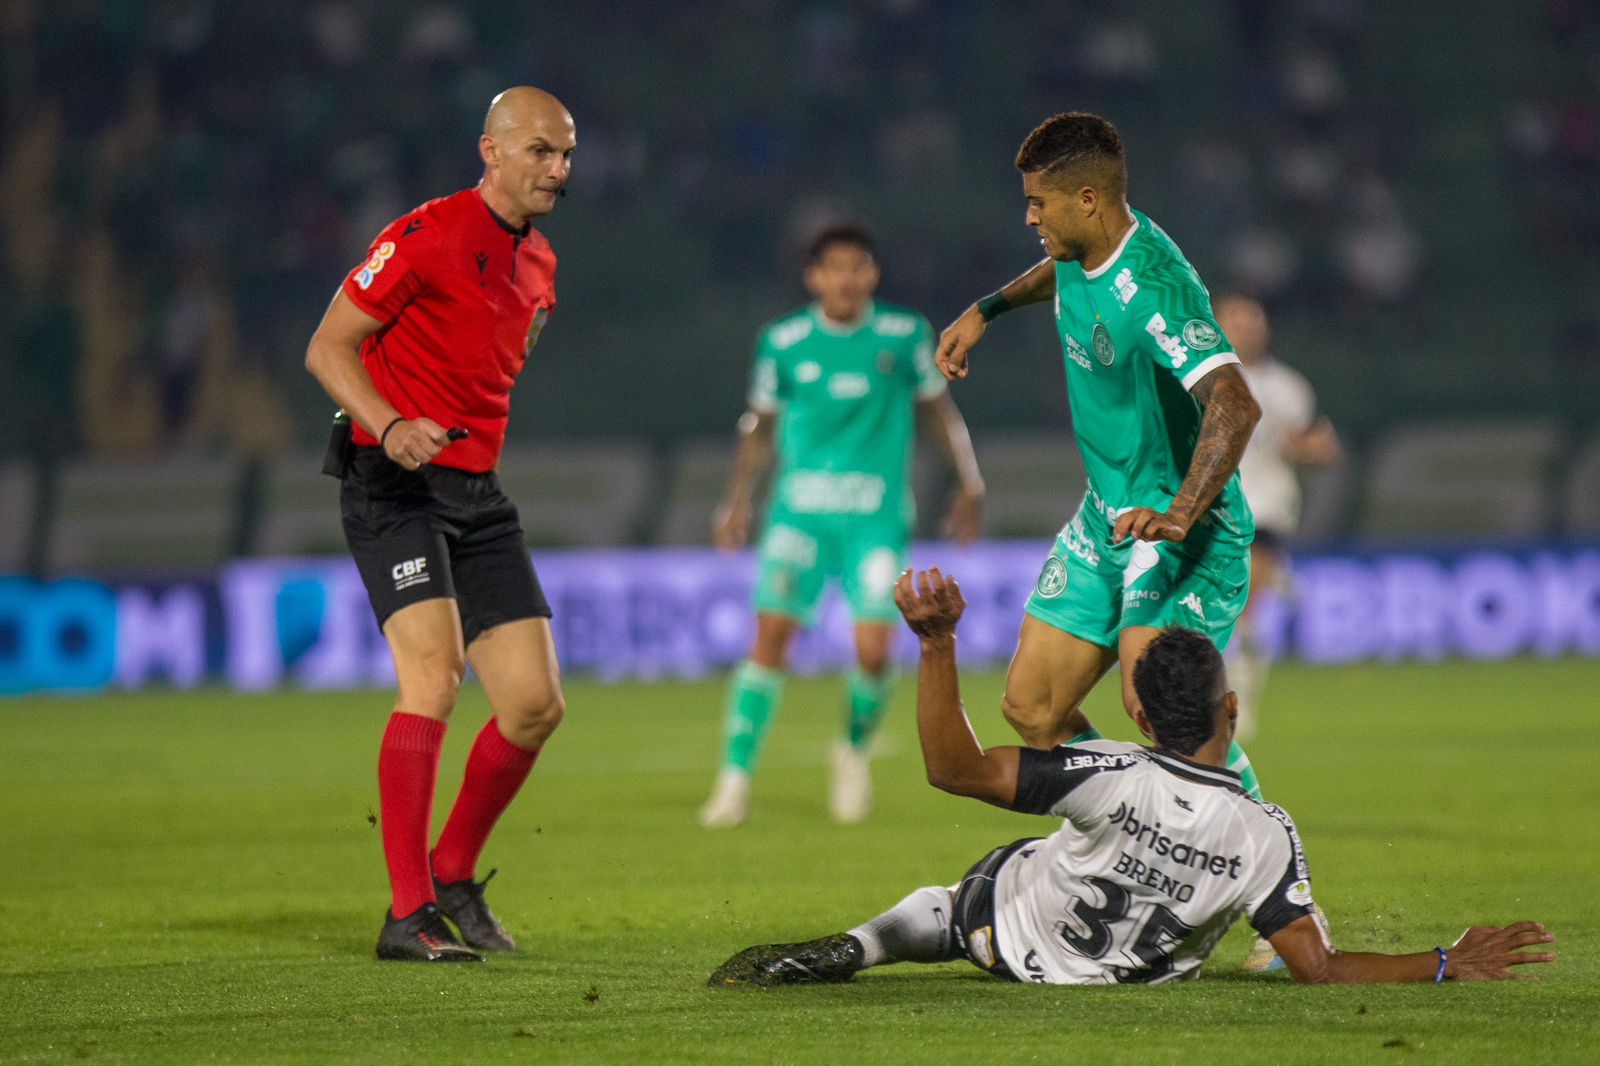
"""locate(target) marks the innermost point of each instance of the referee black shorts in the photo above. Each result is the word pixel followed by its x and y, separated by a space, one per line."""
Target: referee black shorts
pixel 436 532
pixel 973 911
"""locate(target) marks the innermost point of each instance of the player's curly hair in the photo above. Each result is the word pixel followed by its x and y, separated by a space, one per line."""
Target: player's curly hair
pixel 1179 681
pixel 1075 142
pixel 851 233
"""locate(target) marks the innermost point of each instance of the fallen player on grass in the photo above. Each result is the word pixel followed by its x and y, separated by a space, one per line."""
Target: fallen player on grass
pixel 1159 851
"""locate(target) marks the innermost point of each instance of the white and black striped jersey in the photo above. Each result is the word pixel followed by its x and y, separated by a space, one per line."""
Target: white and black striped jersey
pixel 1157 857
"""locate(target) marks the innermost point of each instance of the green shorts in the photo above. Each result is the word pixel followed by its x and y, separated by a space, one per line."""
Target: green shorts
pixel 800 552
pixel 1093 589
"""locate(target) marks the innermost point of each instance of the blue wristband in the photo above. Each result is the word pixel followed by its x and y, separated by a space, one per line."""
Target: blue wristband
pixel 1438 975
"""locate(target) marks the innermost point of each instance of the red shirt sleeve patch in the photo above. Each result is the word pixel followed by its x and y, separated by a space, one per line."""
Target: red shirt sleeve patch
pixel 392 274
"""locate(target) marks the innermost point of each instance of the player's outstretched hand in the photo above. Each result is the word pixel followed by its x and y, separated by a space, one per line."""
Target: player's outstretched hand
pixel 956 340
pixel 1487 952
pixel 931 604
pixel 730 526
pixel 965 518
pixel 415 441
pixel 1147 523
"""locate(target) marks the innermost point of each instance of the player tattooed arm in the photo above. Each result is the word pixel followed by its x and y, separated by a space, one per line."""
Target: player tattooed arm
pixel 955 761
pixel 943 422
pixel 958 338
pixel 1231 413
pixel 730 525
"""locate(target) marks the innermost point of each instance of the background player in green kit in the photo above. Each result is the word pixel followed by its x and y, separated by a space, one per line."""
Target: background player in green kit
pixel 1161 414
pixel 840 384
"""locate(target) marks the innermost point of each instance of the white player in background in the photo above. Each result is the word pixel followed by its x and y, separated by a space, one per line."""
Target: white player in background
pixel 1290 434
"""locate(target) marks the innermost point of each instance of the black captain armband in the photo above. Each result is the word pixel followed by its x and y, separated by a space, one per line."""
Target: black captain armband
pixel 993 304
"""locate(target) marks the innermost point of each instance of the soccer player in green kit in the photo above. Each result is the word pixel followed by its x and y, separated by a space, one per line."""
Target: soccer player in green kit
pixel 840 385
pixel 1161 413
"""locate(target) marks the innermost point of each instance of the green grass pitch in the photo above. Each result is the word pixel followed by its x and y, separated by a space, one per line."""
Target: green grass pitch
pixel 194 878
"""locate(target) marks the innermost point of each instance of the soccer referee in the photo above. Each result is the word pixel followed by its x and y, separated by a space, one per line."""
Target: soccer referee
pixel 421 346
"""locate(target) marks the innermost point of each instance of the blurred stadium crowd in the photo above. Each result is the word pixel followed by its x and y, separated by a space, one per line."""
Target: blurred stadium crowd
pixel 1412 195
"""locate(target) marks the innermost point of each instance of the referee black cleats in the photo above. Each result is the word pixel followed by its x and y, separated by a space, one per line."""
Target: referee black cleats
pixel 462 902
pixel 422 937
pixel 832 960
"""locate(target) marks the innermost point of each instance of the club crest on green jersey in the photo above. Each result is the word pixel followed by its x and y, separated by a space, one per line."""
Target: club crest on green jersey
pixel 1100 341
pixel 1200 334
pixel 1053 578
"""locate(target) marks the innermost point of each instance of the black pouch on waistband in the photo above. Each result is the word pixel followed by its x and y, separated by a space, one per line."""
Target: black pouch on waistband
pixel 341 448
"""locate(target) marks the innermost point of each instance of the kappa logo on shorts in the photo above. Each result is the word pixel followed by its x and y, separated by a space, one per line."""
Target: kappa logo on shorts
pixel 1192 601
pixel 1052 579
pixel 411 572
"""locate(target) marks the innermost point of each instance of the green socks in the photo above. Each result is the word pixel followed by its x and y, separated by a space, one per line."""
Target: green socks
pixel 1088 734
pixel 753 696
pixel 754 693
pixel 869 697
pixel 1239 763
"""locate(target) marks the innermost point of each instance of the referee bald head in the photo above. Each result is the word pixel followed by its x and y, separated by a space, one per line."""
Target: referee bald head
pixel 526 147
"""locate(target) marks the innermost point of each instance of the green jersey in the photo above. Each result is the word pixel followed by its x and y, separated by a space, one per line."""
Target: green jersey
pixel 846 398
pixel 1138 333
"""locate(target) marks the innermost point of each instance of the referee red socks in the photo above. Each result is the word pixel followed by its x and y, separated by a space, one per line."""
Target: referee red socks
pixel 408 765
pixel 496 770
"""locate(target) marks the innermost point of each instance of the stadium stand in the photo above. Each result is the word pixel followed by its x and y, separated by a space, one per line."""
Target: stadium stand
pixel 694 488
pixel 1363 237
pixel 1462 479
pixel 578 494
pixel 1327 497
pixel 144 515
pixel 1034 482
pixel 19 501
pixel 298 508
pixel 157 320
pixel 1581 510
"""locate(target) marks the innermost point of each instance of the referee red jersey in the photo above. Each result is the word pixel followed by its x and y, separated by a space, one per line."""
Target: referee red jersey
pixel 463 296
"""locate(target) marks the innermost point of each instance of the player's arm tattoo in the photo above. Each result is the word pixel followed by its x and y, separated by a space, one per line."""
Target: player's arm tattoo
pixel 1231 413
